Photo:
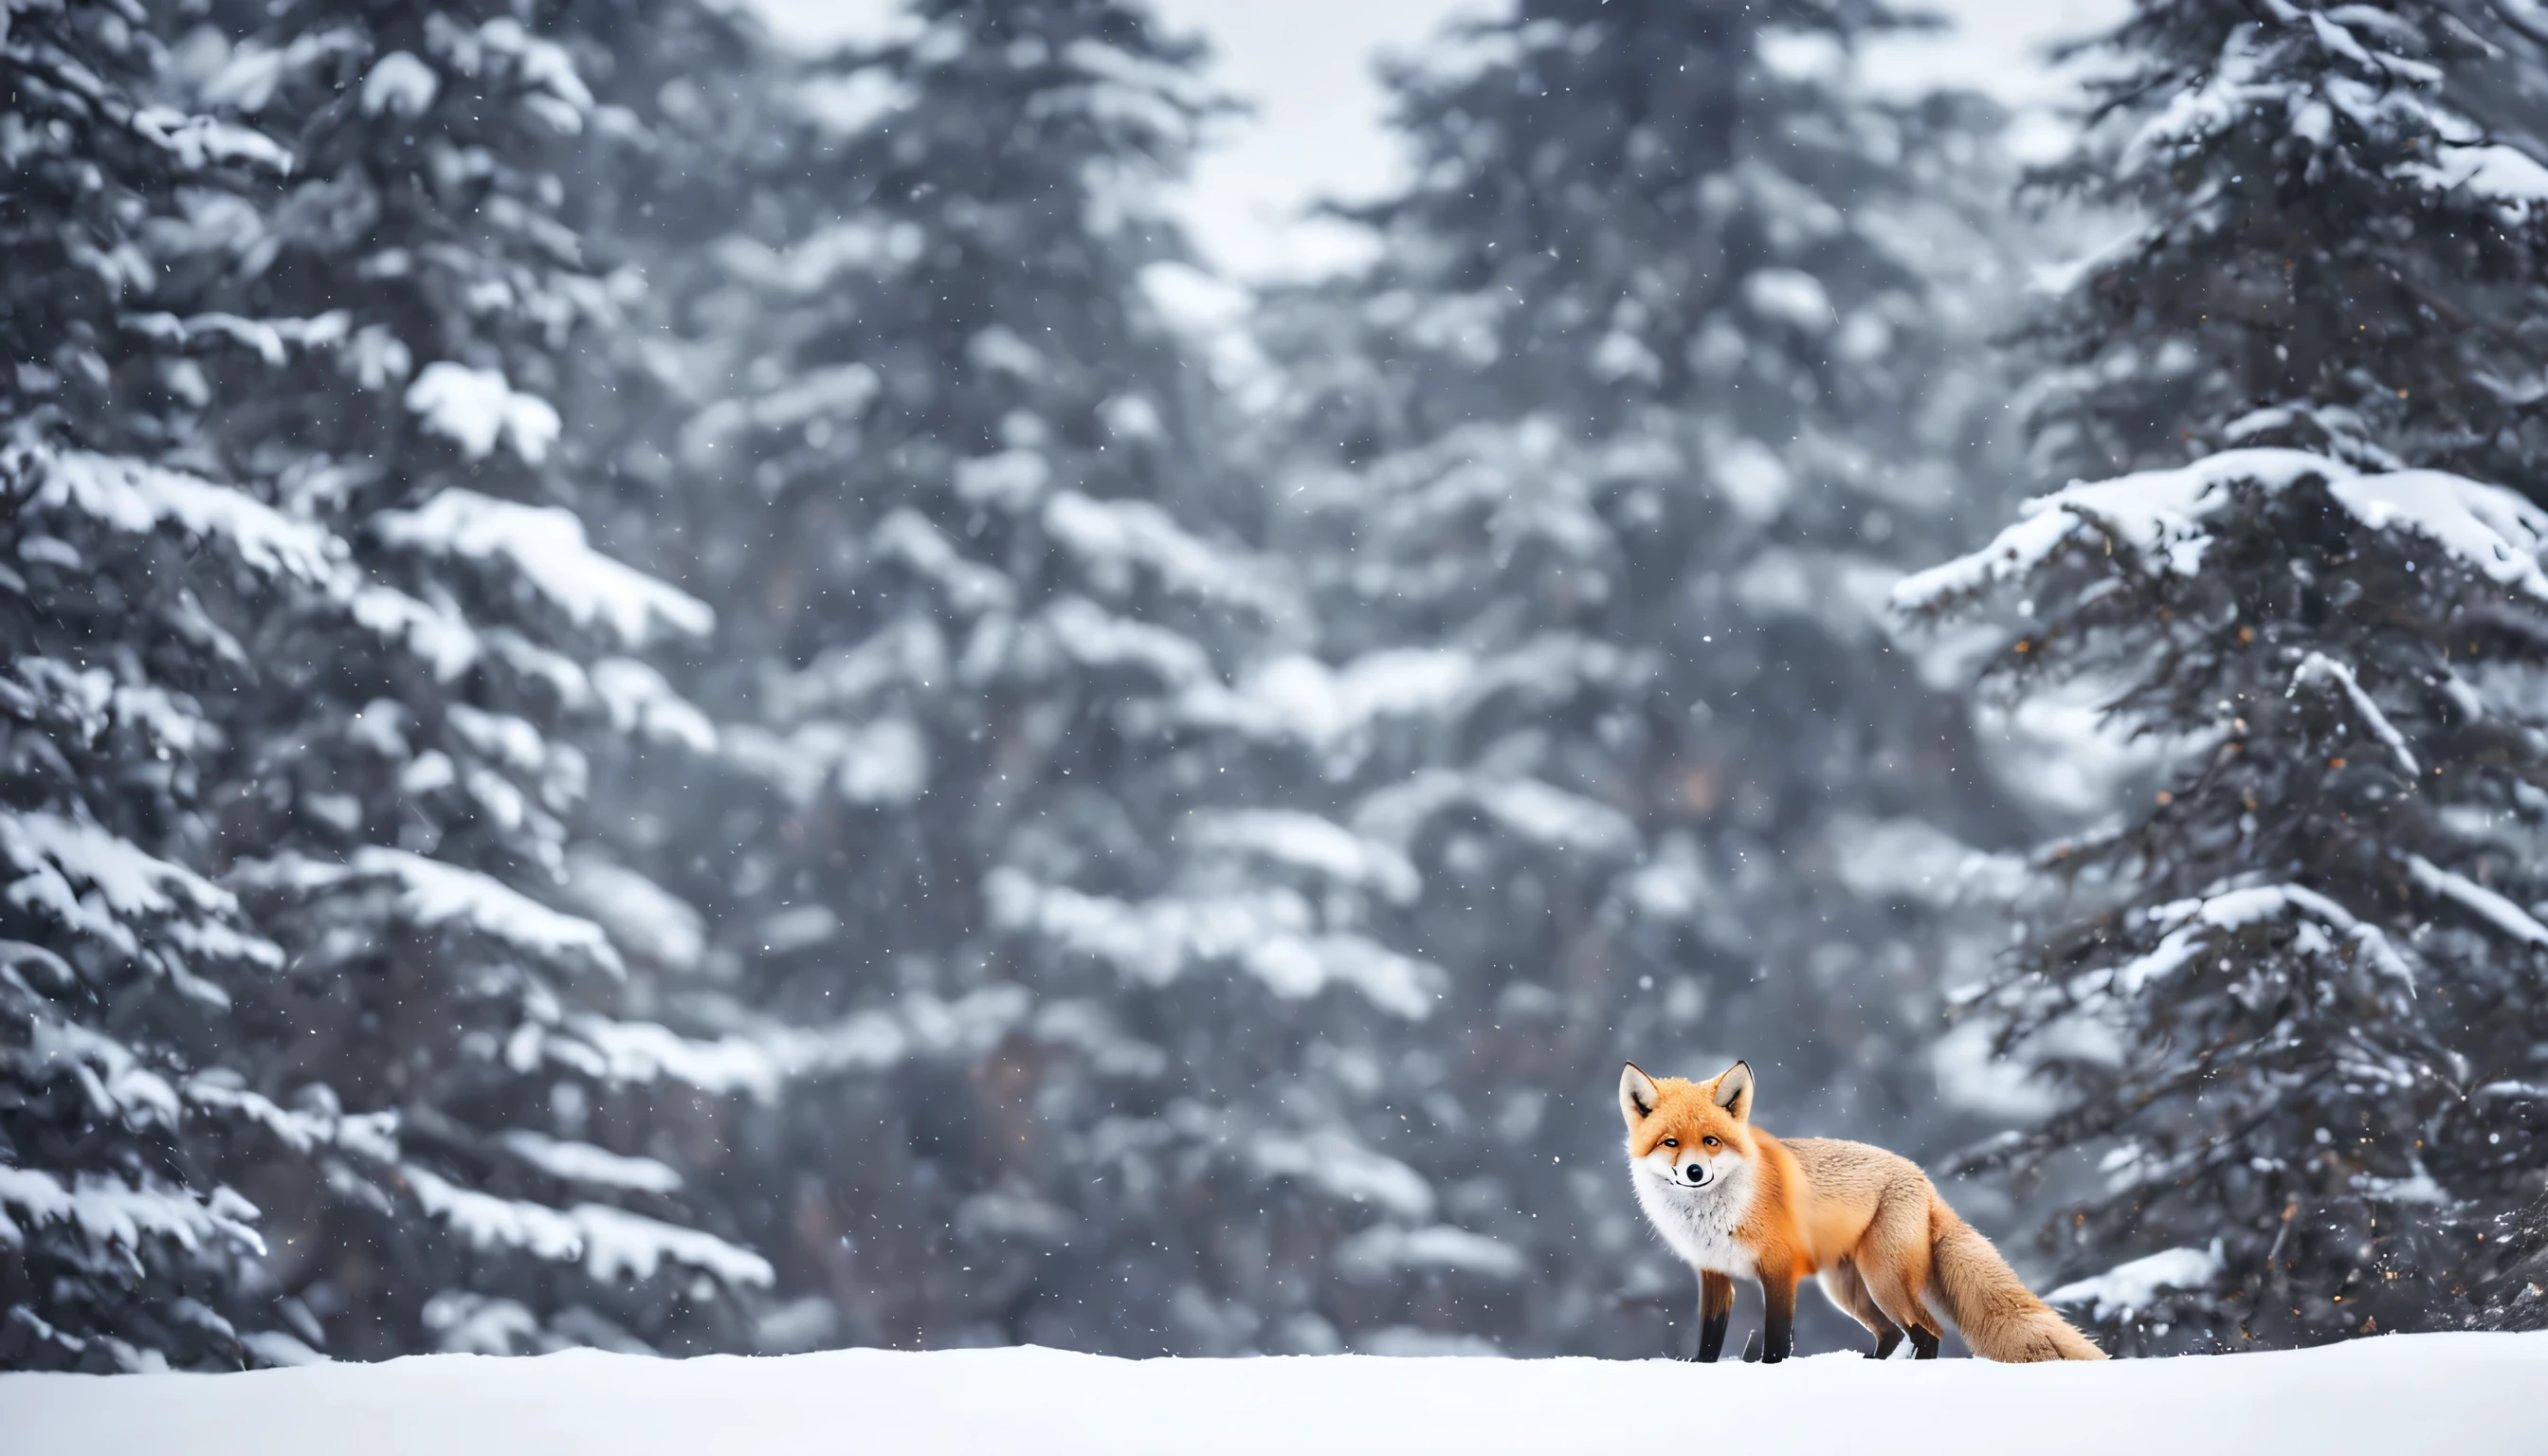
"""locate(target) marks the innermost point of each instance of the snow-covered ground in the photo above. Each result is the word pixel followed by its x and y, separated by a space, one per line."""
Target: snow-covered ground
pixel 2463 1393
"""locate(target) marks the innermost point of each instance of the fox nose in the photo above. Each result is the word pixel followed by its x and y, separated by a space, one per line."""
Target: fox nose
pixel 1696 1172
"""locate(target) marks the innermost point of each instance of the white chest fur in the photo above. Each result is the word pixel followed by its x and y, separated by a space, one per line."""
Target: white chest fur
pixel 1699 1222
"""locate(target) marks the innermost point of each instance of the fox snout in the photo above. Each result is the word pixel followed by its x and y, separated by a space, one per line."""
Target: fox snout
pixel 1695 1173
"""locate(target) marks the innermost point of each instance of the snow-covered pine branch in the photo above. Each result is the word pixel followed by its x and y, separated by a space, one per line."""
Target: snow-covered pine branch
pixel 2300 584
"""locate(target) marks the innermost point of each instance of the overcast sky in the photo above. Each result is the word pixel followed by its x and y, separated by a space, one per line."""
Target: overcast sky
pixel 1320 125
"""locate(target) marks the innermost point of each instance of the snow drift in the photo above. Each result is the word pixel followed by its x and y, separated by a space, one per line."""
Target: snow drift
pixel 2467 1394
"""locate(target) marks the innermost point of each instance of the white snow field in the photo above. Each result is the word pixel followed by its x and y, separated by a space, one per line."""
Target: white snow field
pixel 2463 1393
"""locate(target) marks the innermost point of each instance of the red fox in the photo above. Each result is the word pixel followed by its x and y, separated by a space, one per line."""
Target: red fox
pixel 1731 1200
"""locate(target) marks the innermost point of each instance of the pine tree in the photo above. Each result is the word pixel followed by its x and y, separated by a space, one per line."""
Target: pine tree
pixel 2293 1000
pixel 129 579
pixel 377 339
pixel 984 819
pixel 1654 387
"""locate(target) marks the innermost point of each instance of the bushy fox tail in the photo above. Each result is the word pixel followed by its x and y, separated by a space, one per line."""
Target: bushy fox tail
pixel 2001 1318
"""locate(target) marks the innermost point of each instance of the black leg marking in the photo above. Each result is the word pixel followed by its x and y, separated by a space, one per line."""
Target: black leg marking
pixel 1711 1338
pixel 1779 1330
pixel 1885 1344
pixel 1924 1344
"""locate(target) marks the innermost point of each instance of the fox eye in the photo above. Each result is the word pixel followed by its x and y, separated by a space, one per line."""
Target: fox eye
pixel 1711 1142
pixel 1672 1143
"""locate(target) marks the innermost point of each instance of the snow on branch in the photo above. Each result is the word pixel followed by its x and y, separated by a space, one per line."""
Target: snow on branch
pixel 2511 178
pixel 2164 516
pixel 907 536
pixel 641 916
pixel 438 635
pixel 2129 1288
pixel 119 1086
pixel 134 496
pixel 639 699
pixel 492 1222
pixel 114 1215
pixel 1112 537
pixel 840 392
pixel 1344 1168
pixel 758 1061
pixel 886 762
pixel 1379 1253
pixel 2188 928
pixel 581 1162
pixel 97 883
pixel 1308 842
pixel 435 895
pixel 1298 697
pixel 1094 637
pixel 373 1135
pixel 2318 668
pixel 198 142
pixel 909 652
pixel 618 1244
pixel 1539 812
pixel 553 91
pixel 1303 699
pixel 2505 915
pixel 547 545
pixel 92 700
pixel 611 1243
pixel 814 263
pixel 1270 933
pixel 267 336
pixel 623 1052
pixel 477 407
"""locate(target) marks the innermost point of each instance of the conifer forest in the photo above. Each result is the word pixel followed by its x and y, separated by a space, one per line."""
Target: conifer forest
pixel 680 692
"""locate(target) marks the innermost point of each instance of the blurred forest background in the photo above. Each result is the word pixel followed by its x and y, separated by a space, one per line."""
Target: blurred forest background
pixel 677 692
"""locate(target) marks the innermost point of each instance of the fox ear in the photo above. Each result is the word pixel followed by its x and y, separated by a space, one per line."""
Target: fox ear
pixel 1734 1091
pixel 1637 1094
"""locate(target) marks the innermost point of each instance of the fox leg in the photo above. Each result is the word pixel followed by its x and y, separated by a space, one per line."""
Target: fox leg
pixel 1778 1330
pixel 1894 1263
pixel 1715 1307
pixel 1847 1290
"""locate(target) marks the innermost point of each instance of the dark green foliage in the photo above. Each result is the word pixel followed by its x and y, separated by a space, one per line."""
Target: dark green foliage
pixel 2344 223
pixel 2295 1002
pixel 1662 376
pixel 120 962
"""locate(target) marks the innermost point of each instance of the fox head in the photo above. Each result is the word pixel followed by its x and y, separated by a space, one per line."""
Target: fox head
pixel 1689 1135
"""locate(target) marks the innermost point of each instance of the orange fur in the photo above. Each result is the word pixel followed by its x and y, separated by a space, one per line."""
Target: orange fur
pixel 1736 1202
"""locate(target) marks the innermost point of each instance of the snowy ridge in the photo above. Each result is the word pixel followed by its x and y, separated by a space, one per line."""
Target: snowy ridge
pixel 2472 1395
pixel 2161 516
